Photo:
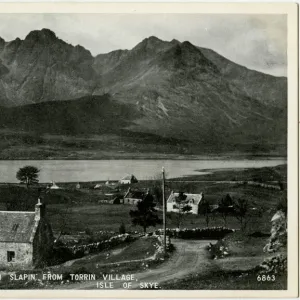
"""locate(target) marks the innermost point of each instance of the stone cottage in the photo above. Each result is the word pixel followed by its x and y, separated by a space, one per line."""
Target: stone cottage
pixel 133 197
pixel 26 238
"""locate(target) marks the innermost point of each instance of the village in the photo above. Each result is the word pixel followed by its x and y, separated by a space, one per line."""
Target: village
pixel 96 227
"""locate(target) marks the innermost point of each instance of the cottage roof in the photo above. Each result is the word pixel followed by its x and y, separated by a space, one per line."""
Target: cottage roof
pixel 135 195
pixel 129 177
pixel 16 226
pixel 54 186
pixel 194 198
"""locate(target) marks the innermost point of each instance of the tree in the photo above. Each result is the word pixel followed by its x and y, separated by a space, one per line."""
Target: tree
pixel 122 228
pixel 156 190
pixel 225 208
pixel 182 207
pixel 145 215
pixel 156 186
pixel 205 209
pixel 28 175
pixel 241 210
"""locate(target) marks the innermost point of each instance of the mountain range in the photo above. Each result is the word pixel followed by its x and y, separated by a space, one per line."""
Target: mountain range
pixel 173 92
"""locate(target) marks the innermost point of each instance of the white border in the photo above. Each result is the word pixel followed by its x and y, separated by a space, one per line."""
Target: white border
pixel 291 9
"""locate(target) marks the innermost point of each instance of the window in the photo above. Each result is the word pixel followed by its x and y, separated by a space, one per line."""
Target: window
pixel 15 227
pixel 10 256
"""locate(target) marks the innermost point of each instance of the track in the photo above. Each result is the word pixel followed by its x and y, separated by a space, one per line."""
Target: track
pixel 190 257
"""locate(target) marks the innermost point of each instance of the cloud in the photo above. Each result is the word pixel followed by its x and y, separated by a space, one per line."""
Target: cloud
pixel 255 41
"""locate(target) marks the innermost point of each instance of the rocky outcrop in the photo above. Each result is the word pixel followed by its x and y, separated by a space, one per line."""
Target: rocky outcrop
pixel 278 238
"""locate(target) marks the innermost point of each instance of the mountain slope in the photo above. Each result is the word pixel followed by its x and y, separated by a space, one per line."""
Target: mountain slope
pixel 181 91
pixel 170 90
pixel 87 115
pixel 44 68
pixel 269 89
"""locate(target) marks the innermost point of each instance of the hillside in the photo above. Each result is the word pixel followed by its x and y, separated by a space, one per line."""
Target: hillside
pixel 176 93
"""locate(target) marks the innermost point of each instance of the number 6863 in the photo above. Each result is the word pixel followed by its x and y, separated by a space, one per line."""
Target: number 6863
pixel 264 278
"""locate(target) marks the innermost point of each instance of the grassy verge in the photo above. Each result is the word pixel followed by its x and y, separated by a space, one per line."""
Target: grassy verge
pixel 227 280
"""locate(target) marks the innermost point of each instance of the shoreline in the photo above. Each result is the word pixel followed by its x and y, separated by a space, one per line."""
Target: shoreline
pixel 186 178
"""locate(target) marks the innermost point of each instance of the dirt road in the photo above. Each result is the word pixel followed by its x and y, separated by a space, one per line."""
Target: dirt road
pixel 190 256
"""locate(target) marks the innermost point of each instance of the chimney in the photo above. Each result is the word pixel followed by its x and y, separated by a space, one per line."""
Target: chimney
pixel 40 210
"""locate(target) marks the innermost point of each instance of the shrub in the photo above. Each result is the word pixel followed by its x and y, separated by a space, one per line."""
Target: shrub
pixel 274 265
pixel 88 231
pixel 122 228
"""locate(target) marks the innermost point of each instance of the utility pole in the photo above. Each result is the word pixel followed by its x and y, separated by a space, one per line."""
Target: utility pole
pixel 164 209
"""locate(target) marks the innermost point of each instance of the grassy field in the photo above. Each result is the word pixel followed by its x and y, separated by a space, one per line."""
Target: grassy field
pixel 76 211
pixel 19 144
pixel 109 217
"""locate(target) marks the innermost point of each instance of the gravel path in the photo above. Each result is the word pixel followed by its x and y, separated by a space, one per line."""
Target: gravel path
pixel 190 257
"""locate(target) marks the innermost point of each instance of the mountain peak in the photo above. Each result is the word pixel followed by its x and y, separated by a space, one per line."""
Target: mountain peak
pixel 187 44
pixel 2 42
pixel 151 44
pixel 44 35
pixel 174 41
pixel 152 41
pixel 153 38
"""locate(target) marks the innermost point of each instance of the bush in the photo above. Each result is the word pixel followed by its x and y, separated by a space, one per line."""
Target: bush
pixel 122 229
pixel 218 250
pixel 88 231
pixel 274 265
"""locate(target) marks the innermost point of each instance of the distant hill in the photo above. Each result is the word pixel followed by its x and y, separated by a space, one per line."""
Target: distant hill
pixel 170 91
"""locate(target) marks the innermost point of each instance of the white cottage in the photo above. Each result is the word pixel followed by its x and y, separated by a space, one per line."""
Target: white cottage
pixel 193 200
pixel 128 179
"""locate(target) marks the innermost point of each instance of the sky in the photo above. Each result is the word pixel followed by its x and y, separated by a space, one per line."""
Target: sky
pixel 258 42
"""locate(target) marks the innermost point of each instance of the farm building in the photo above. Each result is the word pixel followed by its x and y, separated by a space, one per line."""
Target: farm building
pixel 110 183
pixel 192 200
pixel 111 198
pixel 129 179
pixel 133 197
pixel 53 186
pixel 26 238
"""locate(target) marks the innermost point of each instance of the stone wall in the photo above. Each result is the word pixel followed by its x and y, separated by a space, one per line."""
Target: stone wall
pixel 23 254
pixel 214 233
